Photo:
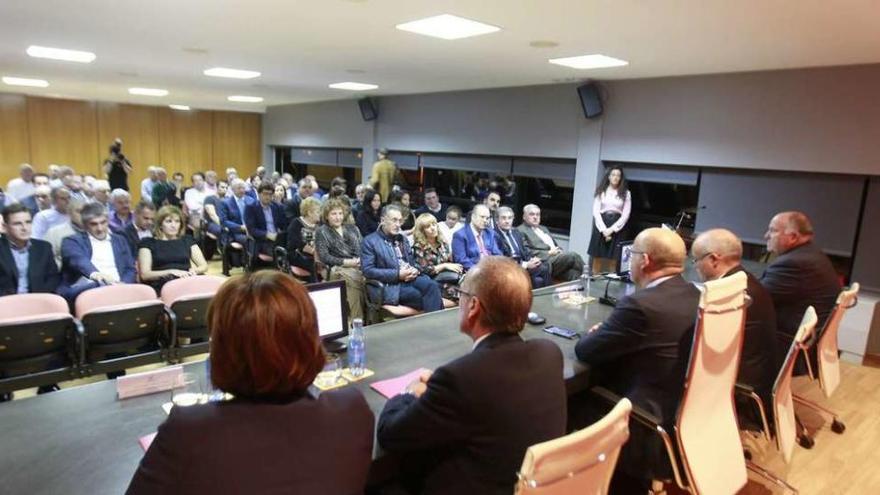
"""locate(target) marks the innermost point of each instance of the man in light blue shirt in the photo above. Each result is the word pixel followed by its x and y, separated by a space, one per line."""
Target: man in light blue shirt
pixel 56 215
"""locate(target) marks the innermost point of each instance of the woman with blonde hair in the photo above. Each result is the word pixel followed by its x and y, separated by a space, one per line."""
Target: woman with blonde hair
pixel 301 236
pixel 169 254
pixel 433 256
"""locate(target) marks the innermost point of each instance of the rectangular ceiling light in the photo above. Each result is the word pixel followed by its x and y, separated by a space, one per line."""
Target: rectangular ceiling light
pixel 179 107
pixel 232 73
pixel 148 91
pixel 354 86
pixel 60 54
pixel 245 99
pixel 448 27
pixel 589 62
pixel 23 81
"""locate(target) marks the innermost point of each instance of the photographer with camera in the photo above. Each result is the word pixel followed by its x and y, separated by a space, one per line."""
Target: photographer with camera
pixel 117 167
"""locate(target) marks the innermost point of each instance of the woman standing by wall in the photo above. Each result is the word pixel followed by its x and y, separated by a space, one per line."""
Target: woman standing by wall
pixel 611 209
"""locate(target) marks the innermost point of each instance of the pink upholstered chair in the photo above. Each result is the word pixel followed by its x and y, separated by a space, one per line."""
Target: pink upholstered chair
pixel 188 299
pixel 829 360
pixel 39 341
pixel 579 463
pixel 125 325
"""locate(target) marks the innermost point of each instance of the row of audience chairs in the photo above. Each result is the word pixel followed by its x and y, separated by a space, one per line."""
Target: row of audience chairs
pixel 112 328
pixel 705 449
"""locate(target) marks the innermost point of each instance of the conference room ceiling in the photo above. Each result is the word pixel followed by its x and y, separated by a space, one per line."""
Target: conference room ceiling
pixel 301 47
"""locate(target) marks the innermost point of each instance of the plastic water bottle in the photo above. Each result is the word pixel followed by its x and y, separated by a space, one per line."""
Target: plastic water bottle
pixel 357 348
pixel 586 276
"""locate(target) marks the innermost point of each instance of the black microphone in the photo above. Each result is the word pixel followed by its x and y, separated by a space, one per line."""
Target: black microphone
pixel 606 299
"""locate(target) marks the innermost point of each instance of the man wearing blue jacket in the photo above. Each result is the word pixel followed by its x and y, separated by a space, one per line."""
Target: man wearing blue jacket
pixel 387 257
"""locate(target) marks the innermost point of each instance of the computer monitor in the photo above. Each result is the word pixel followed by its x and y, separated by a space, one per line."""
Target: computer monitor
pixel 331 307
pixel 624 257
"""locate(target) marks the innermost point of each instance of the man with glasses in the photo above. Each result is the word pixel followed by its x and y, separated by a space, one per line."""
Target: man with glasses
pixel 386 256
pixel 715 254
pixel 465 427
pixel 476 240
pixel 641 352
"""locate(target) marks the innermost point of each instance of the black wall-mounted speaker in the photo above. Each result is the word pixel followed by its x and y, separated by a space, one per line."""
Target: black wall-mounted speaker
pixel 590 100
pixel 369 111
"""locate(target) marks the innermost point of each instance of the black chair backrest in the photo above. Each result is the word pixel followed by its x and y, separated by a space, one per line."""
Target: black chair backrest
pixel 37 345
pixel 124 330
pixel 191 317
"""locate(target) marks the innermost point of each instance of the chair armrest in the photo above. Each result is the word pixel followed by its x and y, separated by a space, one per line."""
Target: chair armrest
pixel 748 392
pixel 80 344
pixel 171 329
pixel 652 422
pixel 378 285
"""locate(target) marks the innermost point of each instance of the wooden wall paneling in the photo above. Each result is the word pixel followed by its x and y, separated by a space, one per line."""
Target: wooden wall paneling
pixel 185 141
pixel 63 132
pixel 138 126
pixel 237 138
pixel 14 139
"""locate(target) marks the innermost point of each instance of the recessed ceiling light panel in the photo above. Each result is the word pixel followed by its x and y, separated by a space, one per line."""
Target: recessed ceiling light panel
pixel 245 99
pixel 354 86
pixel 448 27
pixel 595 61
pixel 231 73
pixel 23 81
pixel 60 54
pixel 148 91
pixel 179 107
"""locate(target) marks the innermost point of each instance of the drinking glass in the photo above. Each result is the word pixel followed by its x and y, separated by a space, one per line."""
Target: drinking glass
pixel 332 372
pixel 187 391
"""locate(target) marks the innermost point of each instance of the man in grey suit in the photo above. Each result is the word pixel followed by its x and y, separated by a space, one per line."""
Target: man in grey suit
pixel 563 266
pixel 800 276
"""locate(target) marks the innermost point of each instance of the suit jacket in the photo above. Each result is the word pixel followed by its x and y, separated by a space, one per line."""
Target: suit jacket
pixel 42 271
pixel 379 262
pixel 641 352
pixel 308 445
pixel 520 251
pixel 479 414
pixel 759 361
pixel 255 219
pixel 801 277
pixel 76 260
pixel 537 246
pixel 465 250
pixel 230 217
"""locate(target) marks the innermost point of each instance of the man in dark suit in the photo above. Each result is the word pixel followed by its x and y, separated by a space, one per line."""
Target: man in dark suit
pixel 465 427
pixel 432 205
pixel 95 257
pixel 305 189
pixel 141 227
pixel 26 265
pixel 386 256
pixel 717 253
pixel 641 351
pixel 800 276
pixel 232 213
pixel 265 220
pixel 476 240
pixel 511 243
pixel 563 266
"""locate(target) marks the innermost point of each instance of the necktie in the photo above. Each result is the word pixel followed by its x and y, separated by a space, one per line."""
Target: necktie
pixel 240 202
pixel 481 245
pixel 514 249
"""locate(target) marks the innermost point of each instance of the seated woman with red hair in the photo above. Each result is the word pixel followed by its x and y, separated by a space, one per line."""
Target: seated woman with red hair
pixel 274 436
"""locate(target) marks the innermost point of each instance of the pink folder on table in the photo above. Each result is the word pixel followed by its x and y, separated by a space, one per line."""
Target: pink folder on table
pixel 393 386
pixel 146 440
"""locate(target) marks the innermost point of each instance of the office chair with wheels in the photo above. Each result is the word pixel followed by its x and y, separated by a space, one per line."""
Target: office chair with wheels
pixel 580 462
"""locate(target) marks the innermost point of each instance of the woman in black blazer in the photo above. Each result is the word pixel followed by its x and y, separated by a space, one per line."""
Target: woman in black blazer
pixel 274 437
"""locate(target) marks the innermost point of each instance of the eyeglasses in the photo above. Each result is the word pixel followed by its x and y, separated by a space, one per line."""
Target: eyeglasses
pixel 697 259
pixel 456 292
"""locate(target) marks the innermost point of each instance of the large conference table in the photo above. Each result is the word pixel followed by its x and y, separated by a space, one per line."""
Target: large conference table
pixel 82 440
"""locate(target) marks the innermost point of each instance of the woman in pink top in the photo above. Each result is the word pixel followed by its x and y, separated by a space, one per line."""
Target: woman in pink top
pixel 611 208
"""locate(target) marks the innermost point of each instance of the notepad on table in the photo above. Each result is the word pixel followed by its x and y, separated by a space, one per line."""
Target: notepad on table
pixel 393 386
pixel 146 440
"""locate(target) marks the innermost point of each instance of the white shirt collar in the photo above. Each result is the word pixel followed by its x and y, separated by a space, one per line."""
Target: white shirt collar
pixel 658 281
pixel 477 342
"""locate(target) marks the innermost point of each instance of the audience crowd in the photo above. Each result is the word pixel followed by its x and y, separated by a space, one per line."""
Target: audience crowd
pixel 464 427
